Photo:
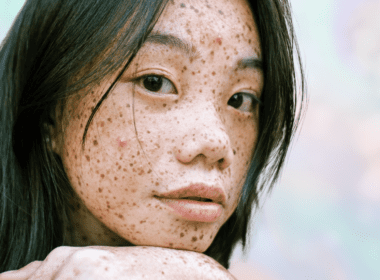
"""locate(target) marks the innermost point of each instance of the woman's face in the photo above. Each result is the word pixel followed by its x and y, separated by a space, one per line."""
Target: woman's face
pixel 184 114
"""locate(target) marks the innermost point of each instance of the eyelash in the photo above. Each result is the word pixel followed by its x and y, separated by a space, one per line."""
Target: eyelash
pixel 140 81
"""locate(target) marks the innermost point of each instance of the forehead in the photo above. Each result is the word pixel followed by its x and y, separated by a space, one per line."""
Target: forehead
pixel 203 22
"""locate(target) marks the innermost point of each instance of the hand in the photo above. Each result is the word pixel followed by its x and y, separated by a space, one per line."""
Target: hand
pixel 129 263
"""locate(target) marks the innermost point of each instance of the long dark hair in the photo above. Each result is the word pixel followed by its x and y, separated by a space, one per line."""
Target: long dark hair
pixel 49 44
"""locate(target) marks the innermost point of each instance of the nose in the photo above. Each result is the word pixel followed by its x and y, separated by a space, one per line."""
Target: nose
pixel 207 136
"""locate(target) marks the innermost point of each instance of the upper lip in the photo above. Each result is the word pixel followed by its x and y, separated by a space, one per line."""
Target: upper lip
pixel 198 190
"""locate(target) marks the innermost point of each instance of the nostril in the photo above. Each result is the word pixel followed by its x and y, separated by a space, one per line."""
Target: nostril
pixel 221 160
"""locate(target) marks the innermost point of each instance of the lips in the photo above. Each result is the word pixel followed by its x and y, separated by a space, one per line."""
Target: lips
pixel 198 192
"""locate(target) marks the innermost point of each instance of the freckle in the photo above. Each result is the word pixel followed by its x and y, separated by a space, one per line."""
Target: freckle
pixel 121 216
pixel 220 12
pixel 149 171
pixel 102 175
pixel 133 190
pixel 176 101
pixel 100 189
pixel 157 183
pixel 88 158
pixel 234 152
pixel 182 234
pixel 134 204
pixel 193 73
pixel 194 239
pixel 164 105
pixel 201 237
pixel 110 120
pixel 128 105
pixel 115 178
pixel 101 124
pixel 121 115
pixel 213 73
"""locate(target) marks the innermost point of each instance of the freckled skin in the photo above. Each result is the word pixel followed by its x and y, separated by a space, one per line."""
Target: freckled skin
pixel 188 135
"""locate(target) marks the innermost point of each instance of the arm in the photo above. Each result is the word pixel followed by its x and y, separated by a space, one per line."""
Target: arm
pixel 132 263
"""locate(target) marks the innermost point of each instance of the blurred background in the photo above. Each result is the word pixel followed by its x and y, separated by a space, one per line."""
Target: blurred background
pixel 322 220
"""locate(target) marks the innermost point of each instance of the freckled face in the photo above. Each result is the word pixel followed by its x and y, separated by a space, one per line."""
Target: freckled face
pixel 184 112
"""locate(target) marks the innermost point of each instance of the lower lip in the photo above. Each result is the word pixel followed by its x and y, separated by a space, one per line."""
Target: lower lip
pixel 193 210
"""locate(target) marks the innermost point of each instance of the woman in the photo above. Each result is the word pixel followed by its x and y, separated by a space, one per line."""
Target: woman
pixel 147 127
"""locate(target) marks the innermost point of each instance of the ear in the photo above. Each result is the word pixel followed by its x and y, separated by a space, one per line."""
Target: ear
pixel 54 130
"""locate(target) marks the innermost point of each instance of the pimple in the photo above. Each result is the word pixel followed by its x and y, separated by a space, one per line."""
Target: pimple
pixel 122 143
pixel 218 41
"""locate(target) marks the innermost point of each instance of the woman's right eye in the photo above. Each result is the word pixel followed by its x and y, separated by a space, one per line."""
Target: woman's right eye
pixel 157 84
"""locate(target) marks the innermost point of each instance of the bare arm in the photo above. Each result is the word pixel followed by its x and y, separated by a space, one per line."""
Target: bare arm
pixel 132 263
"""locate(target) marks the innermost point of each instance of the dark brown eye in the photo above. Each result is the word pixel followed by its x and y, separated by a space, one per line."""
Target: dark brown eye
pixel 243 101
pixel 153 83
pixel 157 84
pixel 236 100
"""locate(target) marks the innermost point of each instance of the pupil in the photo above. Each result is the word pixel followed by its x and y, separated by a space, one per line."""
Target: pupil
pixel 236 100
pixel 153 83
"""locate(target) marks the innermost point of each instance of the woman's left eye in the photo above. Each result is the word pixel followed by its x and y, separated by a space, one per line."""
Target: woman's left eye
pixel 157 84
pixel 245 102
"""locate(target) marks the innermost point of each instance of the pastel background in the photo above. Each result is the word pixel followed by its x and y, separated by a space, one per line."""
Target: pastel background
pixel 322 220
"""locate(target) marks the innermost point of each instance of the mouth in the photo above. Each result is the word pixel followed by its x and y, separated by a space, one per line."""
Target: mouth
pixel 197 202
pixel 198 192
pixel 202 199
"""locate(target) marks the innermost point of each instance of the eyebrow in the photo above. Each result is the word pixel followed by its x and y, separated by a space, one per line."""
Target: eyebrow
pixel 172 41
pixel 191 51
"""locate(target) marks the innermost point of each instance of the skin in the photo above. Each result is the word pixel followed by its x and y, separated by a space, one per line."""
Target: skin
pixel 141 144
